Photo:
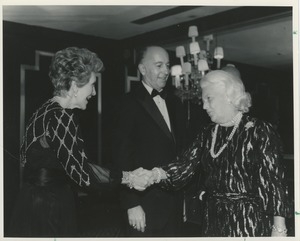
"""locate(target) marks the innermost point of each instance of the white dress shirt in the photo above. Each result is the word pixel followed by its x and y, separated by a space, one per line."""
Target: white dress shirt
pixel 161 104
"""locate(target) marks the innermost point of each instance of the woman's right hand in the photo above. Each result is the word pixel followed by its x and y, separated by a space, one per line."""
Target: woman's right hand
pixel 141 179
pixel 138 179
pixel 144 178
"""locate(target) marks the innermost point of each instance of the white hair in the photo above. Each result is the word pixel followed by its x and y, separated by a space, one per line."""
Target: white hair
pixel 234 88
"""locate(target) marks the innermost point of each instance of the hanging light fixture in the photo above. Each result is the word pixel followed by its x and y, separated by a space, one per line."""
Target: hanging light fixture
pixel 218 55
pixel 194 65
pixel 176 72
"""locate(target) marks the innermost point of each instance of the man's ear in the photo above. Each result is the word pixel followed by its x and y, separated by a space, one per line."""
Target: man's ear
pixel 142 69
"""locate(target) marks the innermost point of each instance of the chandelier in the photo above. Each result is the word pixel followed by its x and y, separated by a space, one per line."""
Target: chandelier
pixel 193 66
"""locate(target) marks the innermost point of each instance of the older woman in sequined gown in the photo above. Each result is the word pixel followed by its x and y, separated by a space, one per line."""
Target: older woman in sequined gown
pixel 239 158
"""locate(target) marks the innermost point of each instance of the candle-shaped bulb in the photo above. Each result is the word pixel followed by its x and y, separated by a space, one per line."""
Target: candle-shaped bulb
pixel 176 71
pixel 203 54
pixel 186 70
pixel 202 65
pixel 207 39
pixel 218 53
pixel 194 48
pixel 180 51
pixel 177 81
pixel 193 31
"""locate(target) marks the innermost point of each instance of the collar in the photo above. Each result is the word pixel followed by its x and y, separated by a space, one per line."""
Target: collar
pixel 149 88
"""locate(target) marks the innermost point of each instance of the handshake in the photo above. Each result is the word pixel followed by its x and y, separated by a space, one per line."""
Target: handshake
pixel 141 178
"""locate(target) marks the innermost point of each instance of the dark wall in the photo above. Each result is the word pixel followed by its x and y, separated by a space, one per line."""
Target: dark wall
pixel 19 45
pixel 272 99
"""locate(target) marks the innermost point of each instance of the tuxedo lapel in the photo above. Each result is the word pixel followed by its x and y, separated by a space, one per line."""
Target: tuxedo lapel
pixel 172 115
pixel 149 105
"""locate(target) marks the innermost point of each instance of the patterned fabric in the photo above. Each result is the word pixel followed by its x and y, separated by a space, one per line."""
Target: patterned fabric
pixel 244 186
pixel 58 127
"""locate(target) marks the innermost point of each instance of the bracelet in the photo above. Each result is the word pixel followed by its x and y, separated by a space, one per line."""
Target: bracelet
pixel 278 229
pixel 126 179
pixel 155 169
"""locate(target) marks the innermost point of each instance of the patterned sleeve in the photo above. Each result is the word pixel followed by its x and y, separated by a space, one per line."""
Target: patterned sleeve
pixel 64 137
pixel 272 186
pixel 181 171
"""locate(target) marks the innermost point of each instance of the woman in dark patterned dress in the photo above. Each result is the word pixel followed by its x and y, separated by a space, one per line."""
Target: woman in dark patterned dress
pixel 53 154
pixel 239 158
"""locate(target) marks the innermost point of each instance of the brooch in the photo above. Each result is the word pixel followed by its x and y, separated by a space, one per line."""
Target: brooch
pixel 249 125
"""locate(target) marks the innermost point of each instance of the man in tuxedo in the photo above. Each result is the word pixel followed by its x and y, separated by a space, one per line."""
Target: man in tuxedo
pixel 149 132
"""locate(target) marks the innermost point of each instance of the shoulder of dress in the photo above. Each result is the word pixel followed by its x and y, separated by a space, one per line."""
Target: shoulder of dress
pixel 45 109
pixel 258 123
pixel 54 110
pixel 50 106
pixel 260 127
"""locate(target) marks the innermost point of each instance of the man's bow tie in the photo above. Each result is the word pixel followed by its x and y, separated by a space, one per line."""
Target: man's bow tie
pixel 162 94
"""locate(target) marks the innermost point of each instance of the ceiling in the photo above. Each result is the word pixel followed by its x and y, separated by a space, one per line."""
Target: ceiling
pixel 256 36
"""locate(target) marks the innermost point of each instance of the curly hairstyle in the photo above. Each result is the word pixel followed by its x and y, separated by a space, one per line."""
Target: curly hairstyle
pixel 73 64
pixel 234 88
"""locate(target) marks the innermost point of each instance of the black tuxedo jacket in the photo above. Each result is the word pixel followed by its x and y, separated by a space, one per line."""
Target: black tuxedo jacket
pixel 141 138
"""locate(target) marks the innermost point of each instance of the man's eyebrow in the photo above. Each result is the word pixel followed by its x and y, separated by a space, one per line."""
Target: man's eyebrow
pixel 160 62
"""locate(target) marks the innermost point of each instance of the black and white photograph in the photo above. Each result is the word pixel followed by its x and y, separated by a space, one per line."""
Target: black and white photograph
pixel 150 121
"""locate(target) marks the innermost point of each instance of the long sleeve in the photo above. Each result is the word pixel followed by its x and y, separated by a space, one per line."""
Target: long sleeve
pixel 271 184
pixel 61 130
pixel 181 171
pixel 63 136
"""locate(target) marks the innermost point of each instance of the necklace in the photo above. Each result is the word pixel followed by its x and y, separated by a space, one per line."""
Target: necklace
pixel 236 120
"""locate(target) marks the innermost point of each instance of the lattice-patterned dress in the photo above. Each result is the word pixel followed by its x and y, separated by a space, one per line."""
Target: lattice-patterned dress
pixel 53 156
pixel 244 185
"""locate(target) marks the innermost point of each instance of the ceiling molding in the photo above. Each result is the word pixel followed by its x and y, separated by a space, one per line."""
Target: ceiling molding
pixel 224 21
pixel 255 35
pixel 164 14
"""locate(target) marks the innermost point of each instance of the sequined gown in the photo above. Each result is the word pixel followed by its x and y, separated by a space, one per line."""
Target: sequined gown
pixel 244 186
pixel 53 158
